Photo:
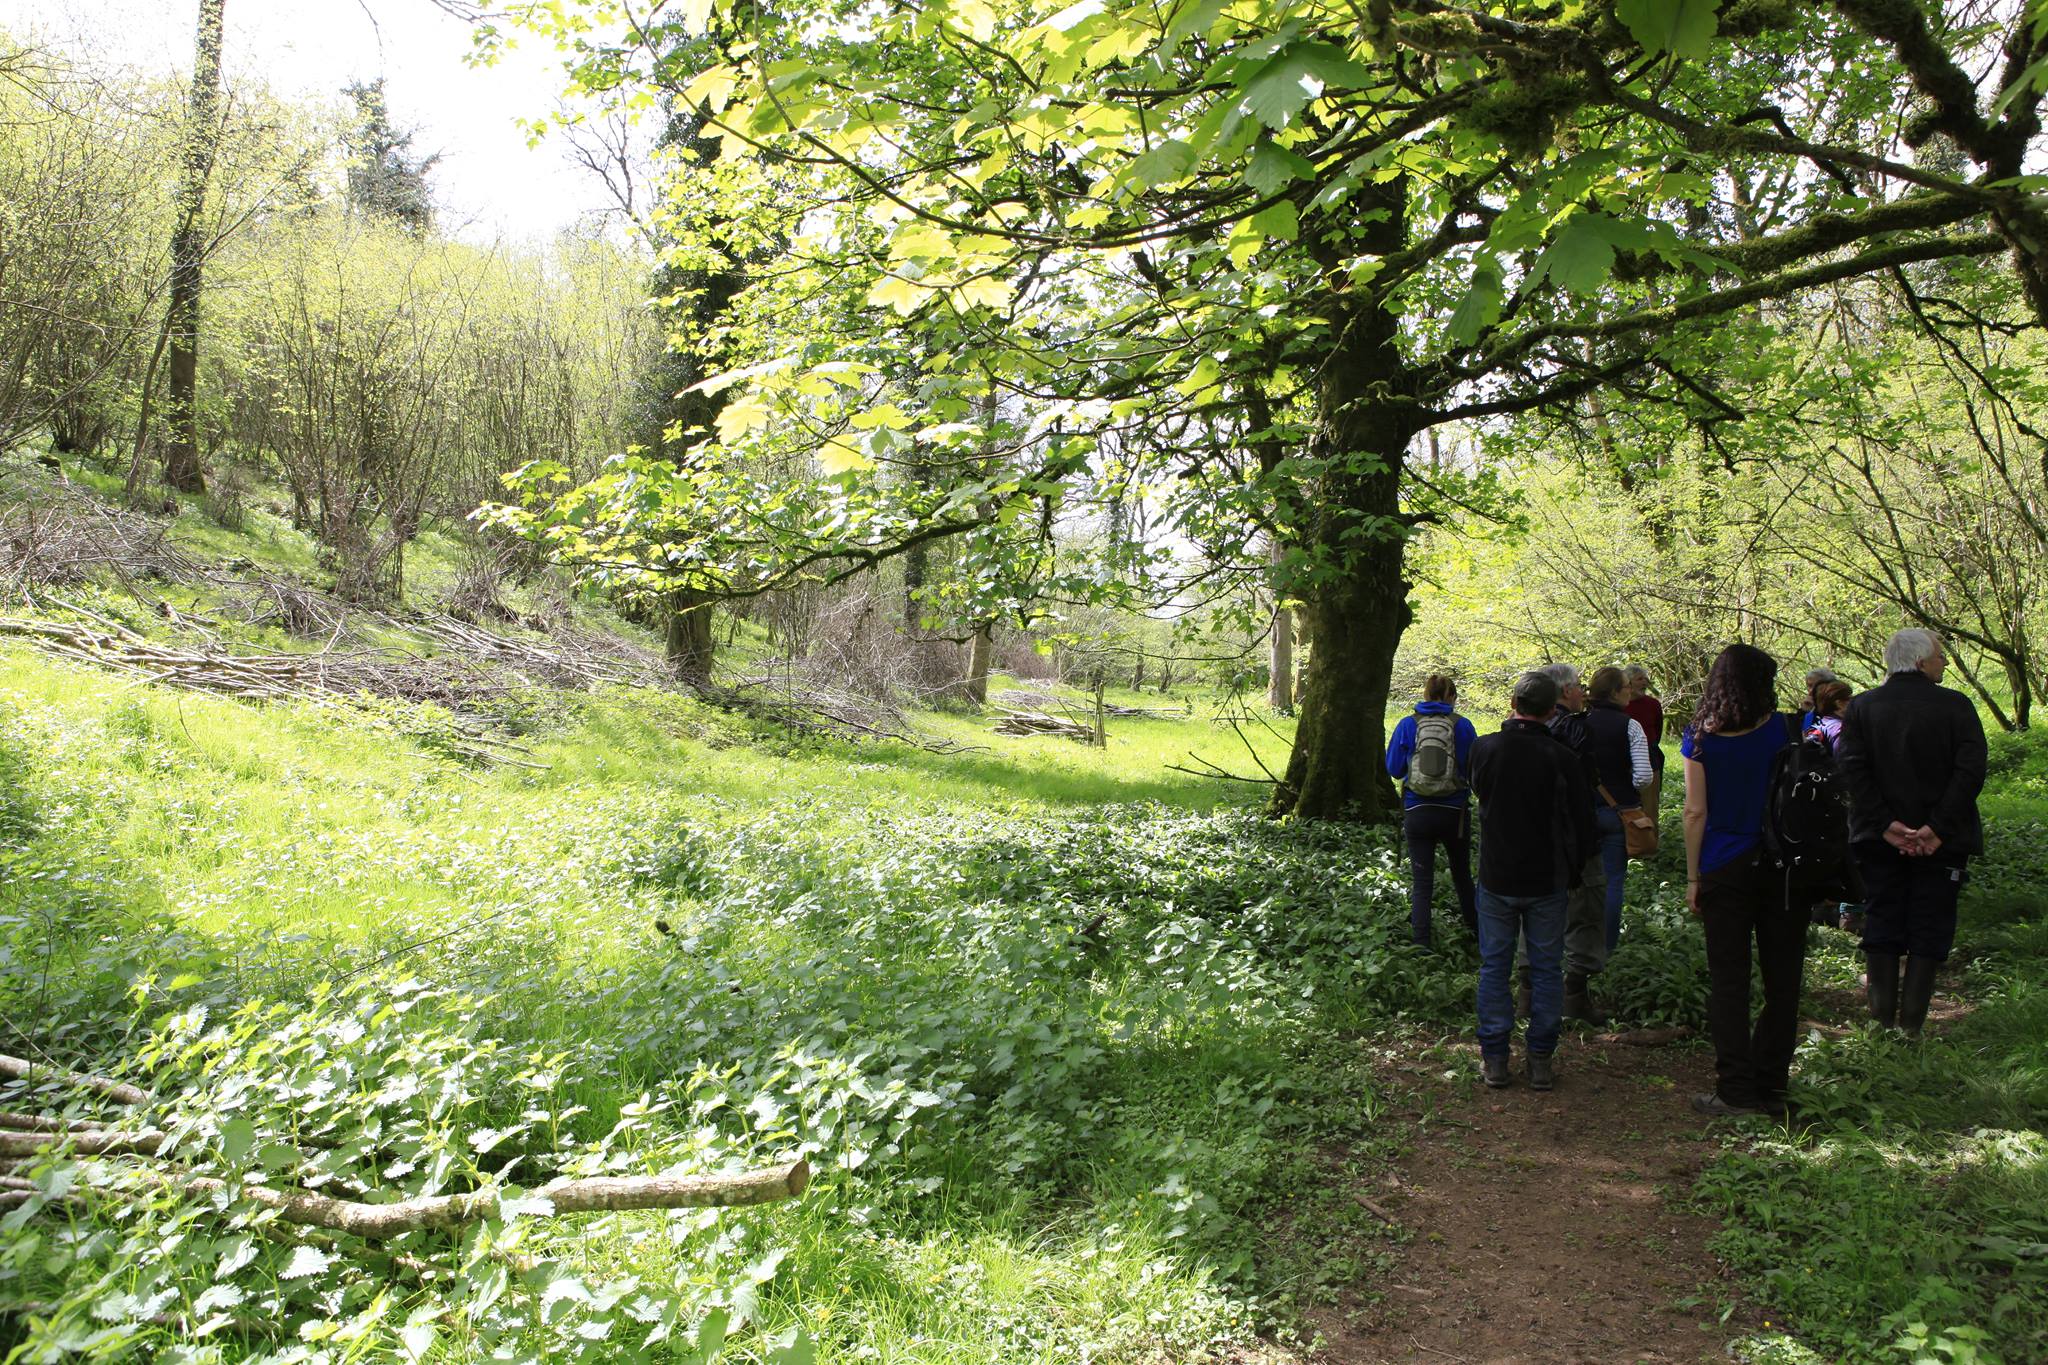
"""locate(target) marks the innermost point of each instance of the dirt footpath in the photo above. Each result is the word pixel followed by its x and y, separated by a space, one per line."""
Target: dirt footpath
pixel 1544 1227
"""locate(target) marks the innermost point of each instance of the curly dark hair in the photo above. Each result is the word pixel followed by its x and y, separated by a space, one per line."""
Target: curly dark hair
pixel 1741 691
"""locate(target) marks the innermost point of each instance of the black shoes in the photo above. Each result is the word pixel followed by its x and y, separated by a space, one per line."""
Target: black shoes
pixel 1882 986
pixel 1714 1107
pixel 1494 1071
pixel 1542 1076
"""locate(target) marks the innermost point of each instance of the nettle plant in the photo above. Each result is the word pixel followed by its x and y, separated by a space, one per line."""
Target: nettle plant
pixel 387 1091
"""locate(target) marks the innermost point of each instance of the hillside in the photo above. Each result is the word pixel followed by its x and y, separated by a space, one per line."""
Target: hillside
pixel 1088 1062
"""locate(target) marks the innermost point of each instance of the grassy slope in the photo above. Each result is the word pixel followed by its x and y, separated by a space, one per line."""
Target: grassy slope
pixel 1033 1143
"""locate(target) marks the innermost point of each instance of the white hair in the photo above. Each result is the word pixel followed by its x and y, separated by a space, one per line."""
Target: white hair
pixel 1564 675
pixel 1817 676
pixel 1636 673
pixel 1911 647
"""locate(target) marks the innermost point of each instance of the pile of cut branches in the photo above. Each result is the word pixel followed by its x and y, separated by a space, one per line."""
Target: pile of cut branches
pixel 328 676
pixel 1018 699
pixel 62 534
pixel 1042 723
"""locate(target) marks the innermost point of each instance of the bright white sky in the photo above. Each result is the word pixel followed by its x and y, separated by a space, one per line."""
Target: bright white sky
pixel 488 183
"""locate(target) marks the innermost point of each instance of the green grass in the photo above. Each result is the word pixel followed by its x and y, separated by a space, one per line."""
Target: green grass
pixel 1069 1038
pixel 1030 1146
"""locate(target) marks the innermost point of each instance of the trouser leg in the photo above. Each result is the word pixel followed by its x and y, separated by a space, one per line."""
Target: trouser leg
pixel 1421 881
pixel 1543 921
pixel 1499 924
pixel 1728 918
pixel 1781 935
pixel 1585 926
pixel 1459 848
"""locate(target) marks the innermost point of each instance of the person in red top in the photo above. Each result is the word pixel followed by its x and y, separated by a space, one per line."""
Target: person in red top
pixel 1645 710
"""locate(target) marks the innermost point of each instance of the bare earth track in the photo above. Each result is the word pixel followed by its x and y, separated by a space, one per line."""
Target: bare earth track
pixel 1543 1227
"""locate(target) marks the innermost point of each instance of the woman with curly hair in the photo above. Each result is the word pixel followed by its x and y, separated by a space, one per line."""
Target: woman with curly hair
pixel 1739 897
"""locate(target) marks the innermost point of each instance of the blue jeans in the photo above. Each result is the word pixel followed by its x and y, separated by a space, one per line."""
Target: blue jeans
pixel 1503 919
pixel 1614 861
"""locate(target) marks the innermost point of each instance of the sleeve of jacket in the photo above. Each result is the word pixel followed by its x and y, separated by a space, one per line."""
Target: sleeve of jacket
pixel 1482 773
pixel 1955 814
pixel 1641 774
pixel 1465 737
pixel 1400 748
pixel 1852 756
pixel 1579 809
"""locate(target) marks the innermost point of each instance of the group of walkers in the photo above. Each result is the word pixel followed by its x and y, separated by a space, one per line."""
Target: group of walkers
pixel 1863 800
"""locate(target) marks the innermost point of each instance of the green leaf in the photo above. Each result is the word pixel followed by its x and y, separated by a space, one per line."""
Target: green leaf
pixel 791 1348
pixel 237 1136
pixel 1277 91
pixel 1684 28
pixel 1580 256
pixel 1273 166
pixel 1480 308
pixel 1282 220
pixel 1164 164
pixel 306 1261
pixel 2033 78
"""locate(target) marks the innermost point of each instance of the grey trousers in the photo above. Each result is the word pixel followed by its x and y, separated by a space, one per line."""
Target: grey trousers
pixel 1585 921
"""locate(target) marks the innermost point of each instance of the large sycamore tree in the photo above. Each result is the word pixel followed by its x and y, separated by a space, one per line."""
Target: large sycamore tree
pixel 1239 255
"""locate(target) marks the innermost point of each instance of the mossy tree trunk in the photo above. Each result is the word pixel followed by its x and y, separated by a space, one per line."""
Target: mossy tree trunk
pixel 1355 590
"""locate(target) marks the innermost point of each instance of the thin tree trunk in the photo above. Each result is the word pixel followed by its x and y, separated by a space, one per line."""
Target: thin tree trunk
pixel 980 653
pixel 1280 640
pixel 188 258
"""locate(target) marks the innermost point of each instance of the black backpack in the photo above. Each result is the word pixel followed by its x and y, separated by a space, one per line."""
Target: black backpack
pixel 1806 814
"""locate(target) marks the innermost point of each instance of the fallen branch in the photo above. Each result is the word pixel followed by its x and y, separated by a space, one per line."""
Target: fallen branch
pixel 118 1091
pixel 93 1142
pixel 1209 769
pixel 37 1123
pixel 596 1194
pixel 1646 1037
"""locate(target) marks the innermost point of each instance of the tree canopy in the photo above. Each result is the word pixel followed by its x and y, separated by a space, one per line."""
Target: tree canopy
pixel 1232 259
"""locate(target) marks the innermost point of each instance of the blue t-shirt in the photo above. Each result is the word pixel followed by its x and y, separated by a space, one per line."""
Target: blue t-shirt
pixel 1738 783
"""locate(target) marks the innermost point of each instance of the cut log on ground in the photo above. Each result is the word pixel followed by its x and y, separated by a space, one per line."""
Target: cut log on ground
pixel 120 1092
pixel 90 1142
pixel 596 1194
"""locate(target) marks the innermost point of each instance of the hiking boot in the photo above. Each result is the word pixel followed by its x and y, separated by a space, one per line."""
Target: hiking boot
pixel 1525 997
pixel 1714 1107
pixel 1542 1076
pixel 1916 993
pixel 1881 984
pixel 1578 1002
pixel 1494 1071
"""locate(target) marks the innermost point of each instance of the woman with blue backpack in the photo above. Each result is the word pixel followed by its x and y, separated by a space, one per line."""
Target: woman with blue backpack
pixel 1740 894
pixel 1430 754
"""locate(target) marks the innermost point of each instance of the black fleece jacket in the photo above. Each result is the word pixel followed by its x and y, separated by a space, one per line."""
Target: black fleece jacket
pixel 1536 825
pixel 1913 751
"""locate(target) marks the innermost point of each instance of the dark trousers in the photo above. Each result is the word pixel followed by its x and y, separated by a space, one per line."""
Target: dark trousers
pixel 1428 828
pixel 1909 904
pixel 1740 906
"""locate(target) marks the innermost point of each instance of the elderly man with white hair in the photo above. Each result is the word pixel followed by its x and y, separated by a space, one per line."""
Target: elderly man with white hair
pixel 1912 756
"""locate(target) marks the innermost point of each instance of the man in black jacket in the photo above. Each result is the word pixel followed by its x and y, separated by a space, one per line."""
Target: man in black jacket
pixel 1536 828
pixel 1912 756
